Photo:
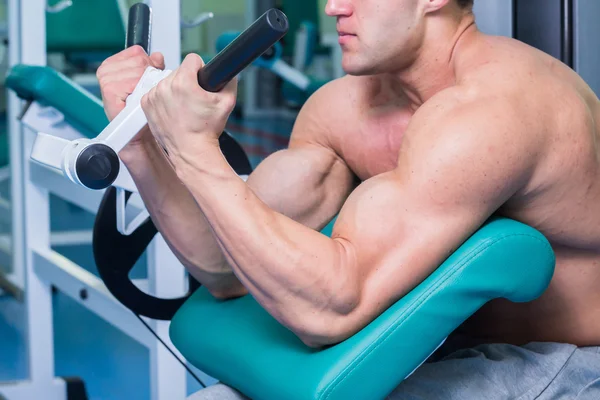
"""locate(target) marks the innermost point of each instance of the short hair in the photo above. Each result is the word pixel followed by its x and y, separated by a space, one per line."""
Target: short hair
pixel 465 3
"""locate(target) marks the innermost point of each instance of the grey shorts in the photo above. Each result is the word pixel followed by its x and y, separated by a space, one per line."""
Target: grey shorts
pixel 540 371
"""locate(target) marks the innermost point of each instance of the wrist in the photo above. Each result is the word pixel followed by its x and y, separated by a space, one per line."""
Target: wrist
pixel 203 158
pixel 138 149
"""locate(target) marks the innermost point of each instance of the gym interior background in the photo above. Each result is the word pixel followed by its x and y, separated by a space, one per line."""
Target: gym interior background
pixel 78 35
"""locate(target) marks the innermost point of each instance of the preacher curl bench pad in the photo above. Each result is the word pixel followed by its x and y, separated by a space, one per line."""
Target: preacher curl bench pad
pixel 239 343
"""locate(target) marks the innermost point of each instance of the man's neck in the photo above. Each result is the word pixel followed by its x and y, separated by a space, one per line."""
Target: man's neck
pixel 434 68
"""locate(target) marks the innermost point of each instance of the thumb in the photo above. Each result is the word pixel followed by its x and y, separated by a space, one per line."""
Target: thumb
pixel 158 60
pixel 188 70
pixel 192 63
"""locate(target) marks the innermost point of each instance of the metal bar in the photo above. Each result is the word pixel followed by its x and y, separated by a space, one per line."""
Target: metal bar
pixel 514 18
pixel 71 238
pixel 48 120
pixel 567 32
pixel 6 258
pixel 38 294
pixel 88 290
pixel 14 107
pixel 58 185
pixel 57 389
pixel 166 32
pixel 65 238
pixel 166 279
pixel 166 275
pixel 30 205
pixel 8 286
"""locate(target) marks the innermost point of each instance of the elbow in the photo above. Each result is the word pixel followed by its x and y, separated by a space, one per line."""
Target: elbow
pixel 318 329
pixel 335 319
pixel 222 295
pixel 229 292
pixel 222 288
pixel 329 332
pixel 316 342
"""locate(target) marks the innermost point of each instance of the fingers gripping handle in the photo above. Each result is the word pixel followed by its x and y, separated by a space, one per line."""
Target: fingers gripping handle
pixel 100 167
pixel 96 165
pixel 243 50
pixel 138 34
pixel 248 46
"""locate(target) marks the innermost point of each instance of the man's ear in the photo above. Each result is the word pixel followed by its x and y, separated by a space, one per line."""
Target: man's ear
pixel 435 5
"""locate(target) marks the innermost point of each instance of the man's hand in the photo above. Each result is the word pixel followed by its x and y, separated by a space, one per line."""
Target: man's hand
pixel 118 76
pixel 182 116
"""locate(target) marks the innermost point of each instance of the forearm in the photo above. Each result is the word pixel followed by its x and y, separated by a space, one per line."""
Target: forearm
pixel 177 216
pixel 292 270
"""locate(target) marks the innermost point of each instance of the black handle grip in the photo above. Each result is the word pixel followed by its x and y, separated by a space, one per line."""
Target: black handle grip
pixel 243 50
pixel 138 26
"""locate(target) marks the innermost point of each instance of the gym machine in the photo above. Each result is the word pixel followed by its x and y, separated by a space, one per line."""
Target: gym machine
pixel 43 268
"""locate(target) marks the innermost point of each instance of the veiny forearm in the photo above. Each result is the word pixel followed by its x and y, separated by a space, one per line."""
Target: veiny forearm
pixel 300 276
pixel 177 216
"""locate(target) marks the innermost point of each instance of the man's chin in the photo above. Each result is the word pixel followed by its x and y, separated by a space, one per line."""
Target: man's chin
pixel 357 67
pixel 353 68
pixel 358 70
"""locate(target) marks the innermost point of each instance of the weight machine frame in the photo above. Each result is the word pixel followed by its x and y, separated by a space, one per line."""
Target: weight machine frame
pixel 37 268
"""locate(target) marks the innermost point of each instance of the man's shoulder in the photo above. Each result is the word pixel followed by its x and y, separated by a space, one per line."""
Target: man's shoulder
pixel 327 111
pixel 469 122
pixel 474 140
pixel 497 81
pixel 338 93
pixel 476 104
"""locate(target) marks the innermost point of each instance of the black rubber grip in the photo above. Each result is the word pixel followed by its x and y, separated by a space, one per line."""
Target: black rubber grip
pixel 138 26
pixel 243 50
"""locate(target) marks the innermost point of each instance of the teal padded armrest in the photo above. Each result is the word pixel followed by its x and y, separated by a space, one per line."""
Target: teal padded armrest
pixel 43 84
pixel 240 344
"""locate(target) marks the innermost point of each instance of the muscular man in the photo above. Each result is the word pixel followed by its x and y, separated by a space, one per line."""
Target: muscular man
pixel 435 128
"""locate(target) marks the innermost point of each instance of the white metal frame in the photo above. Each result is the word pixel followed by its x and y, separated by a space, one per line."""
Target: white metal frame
pixel 37 267
pixel 41 119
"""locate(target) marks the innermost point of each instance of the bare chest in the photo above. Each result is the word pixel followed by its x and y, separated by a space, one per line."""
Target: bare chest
pixel 370 144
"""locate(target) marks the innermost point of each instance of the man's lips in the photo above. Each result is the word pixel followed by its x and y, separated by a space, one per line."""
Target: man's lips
pixel 344 37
